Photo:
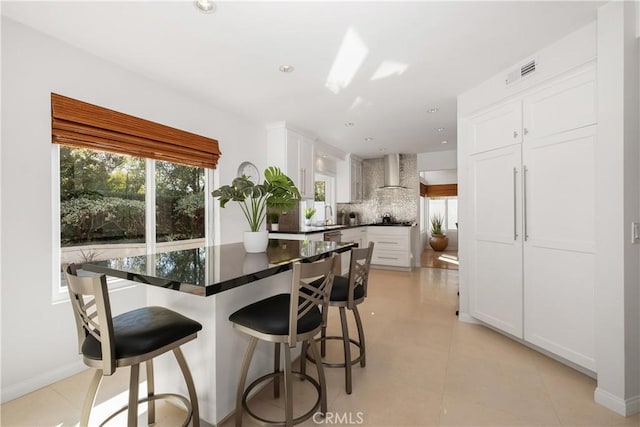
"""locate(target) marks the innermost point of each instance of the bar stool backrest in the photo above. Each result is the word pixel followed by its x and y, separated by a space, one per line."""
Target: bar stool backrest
pixel 312 295
pixel 359 271
pixel 92 312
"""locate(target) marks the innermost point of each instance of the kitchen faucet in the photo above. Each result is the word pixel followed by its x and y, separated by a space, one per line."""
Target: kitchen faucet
pixel 328 219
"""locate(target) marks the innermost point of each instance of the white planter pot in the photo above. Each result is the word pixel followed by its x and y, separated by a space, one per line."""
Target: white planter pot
pixel 274 227
pixel 256 241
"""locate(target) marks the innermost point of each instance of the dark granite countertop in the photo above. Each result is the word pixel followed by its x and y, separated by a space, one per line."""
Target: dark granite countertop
pixel 210 270
pixel 310 229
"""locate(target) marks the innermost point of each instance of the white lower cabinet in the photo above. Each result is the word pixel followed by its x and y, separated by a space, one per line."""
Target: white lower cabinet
pixel 392 246
pixel 531 230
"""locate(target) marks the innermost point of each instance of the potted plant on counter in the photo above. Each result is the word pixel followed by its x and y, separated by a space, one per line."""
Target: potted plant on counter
pixel 438 240
pixel 274 219
pixel 352 218
pixel 308 214
pixel 277 192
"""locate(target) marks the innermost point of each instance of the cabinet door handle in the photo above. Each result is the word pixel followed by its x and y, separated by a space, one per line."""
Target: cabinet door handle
pixel 515 214
pixel 387 257
pixel 304 190
pixel 524 203
pixel 515 133
pixel 388 243
pixel 526 131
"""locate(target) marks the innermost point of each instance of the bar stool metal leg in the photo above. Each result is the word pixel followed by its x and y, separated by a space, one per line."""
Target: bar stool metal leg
pixel 91 397
pixel 321 378
pixel 363 352
pixel 151 403
pixel 347 349
pixel 276 370
pixel 303 358
pixel 134 378
pixel 191 387
pixel 288 387
pixel 243 378
pixel 323 341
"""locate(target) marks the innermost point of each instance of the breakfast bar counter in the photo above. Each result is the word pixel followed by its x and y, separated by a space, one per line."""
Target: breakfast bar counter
pixel 208 284
pixel 206 271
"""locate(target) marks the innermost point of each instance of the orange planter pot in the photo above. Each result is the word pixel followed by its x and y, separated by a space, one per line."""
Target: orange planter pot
pixel 439 242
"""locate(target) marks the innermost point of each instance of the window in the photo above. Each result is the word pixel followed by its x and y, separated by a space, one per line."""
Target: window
pixel 447 207
pixel 105 199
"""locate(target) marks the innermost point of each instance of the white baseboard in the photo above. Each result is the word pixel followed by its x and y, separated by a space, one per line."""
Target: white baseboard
pixel 466 317
pixel 624 407
pixel 32 384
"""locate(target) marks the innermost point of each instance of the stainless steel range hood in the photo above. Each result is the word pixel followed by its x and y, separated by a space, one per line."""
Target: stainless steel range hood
pixel 392 171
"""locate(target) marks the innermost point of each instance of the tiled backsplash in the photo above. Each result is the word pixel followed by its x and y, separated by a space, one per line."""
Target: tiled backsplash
pixel 401 203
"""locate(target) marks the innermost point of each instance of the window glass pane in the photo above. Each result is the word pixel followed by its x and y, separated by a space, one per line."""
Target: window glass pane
pixel 102 207
pixel 179 202
pixel 452 213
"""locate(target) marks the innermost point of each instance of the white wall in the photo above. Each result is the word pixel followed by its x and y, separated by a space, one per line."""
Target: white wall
pixel 38 342
pixel 617 191
pixel 437 160
pixel 439 177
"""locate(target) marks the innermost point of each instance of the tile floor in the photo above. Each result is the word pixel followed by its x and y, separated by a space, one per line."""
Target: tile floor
pixel 423 368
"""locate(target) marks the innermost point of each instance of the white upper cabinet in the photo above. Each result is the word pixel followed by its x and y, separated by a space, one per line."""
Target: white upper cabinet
pixel 293 153
pixel 350 185
pixel 306 166
pixel 565 105
pixel 496 128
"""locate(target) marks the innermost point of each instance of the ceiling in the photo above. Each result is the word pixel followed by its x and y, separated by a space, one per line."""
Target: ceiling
pixel 393 60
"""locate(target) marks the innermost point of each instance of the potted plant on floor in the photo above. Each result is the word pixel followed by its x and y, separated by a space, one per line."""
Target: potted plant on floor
pixel 438 240
pixel 277 192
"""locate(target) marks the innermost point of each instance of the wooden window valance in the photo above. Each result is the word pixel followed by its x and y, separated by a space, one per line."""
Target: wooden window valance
pixel 444 190
pixel 83 125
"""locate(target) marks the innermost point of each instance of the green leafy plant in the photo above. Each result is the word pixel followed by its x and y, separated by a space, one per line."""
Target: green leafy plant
pixel 353 215
pixel 309 212
pixel 436 224
pixel 274 218
pixel 277 192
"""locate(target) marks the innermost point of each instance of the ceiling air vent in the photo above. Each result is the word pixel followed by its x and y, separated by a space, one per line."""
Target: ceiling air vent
pixel 525 70
pixel 528 68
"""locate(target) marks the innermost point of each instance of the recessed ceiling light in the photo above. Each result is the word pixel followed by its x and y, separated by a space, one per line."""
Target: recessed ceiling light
pixel 440 129
pixel 443 142
pixel 432 110
pixel 286 68
pixel 368 139
pixel 205 6
pixel 350 124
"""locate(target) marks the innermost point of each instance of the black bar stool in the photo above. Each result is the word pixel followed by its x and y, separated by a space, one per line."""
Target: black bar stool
pixel 131 338
pixel 287 319
pixel 347 293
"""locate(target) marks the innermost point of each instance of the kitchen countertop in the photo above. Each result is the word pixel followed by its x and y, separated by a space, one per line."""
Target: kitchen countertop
pixel 210 270
pixel 311 229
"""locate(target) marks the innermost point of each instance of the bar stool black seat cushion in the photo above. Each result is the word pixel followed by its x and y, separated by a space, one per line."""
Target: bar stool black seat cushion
pixel 340 289
pixel 143 330
pixel 271 316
